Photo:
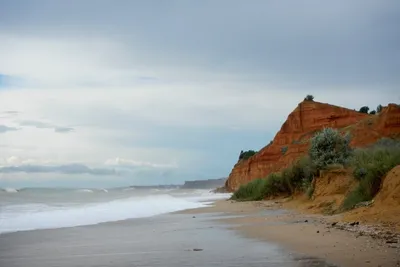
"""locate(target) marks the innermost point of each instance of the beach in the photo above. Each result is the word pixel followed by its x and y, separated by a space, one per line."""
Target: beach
pixel 164 240
pixel 224 233
pixel 308 234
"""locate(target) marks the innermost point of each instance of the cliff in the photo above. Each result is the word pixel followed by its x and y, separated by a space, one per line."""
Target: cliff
pixel 292 140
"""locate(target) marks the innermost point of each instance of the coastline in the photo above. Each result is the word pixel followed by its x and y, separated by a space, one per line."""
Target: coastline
pixel 225 233
pixel 309 234
pixel 167 240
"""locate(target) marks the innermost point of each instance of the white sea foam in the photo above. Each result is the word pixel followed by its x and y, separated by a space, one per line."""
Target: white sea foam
pixel 10 190
pixel 129 189
pixel 203 196
pixel 33 216
pixel 85 191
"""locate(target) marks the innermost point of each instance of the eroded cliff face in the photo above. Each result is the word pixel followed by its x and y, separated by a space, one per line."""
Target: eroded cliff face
pixel 292 141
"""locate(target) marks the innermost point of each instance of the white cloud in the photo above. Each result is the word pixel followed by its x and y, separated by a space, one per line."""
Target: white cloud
pixel 17 161
pixel 136 163
pixel 58 61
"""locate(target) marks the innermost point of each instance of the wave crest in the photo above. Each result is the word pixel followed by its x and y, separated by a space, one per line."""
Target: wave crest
pixel 10 190
pixel 116 210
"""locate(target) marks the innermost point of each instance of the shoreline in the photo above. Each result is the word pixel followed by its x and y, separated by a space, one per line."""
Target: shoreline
pixel 301 237
pixel 166 240
pixel 311 234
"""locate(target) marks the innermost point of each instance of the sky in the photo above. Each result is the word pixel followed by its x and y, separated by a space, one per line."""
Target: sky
pixel 100 93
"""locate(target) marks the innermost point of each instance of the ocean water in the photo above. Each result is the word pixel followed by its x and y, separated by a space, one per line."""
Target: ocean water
pixel 126 227
pixel 32 209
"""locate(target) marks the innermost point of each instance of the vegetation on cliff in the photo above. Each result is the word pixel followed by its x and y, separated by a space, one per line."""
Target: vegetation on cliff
pixel 329 149
pixel 246 154
pixel 309 98
pixel 297 177
pixel 292 141
pixel 370 165
pixel 364 109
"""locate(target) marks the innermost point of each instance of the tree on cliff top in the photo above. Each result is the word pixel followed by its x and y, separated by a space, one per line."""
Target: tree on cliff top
pixel 246 154
pixel 309 98
pixel 364 109
pixel 329 147
pixel 379 108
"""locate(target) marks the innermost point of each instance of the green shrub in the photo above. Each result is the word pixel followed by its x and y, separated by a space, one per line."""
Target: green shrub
pixel 329 147
pixel 251 191
pixel 356 196
pixel 275 185
pixel 364 109
pixel 379 108
pixel 295 178
pixel 309 98
pixel 370 165
pixel 298 177
pixel 372 112
pixel 260 189
pixel 247 154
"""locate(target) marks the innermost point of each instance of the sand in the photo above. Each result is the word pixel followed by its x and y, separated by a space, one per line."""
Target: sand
pixel 308 234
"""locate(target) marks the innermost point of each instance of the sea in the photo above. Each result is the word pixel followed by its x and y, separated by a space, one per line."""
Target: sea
pixel 49 208
pixel 127 227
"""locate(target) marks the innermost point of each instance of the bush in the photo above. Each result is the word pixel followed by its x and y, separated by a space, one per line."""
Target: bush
pixel 309 98
pixel 251 191
pixel 379 108
pixel 247 154
pixel 354 197
pixel 284 149
pixel 295 178
pixel 370 166
pixel 373 112
pixel 261 188
pixel 364 109
pixel 275 185
pixel 329 147
pixel 298 177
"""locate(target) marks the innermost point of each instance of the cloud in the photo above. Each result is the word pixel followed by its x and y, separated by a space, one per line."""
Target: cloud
pixel 192 82
pixel 46 125
pixel 129 163
pixel 63 169
pixel 311 43
pixel 9 114
pixel 63 129
pixel 4 129
pixel 17 161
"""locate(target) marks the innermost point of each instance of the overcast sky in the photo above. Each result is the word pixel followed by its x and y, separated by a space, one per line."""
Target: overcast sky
pixel 112 93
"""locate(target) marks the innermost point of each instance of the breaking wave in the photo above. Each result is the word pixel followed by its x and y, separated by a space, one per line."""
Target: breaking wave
pixel 32 216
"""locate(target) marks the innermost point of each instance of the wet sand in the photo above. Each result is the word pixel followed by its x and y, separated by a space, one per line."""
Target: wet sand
pixel 307 234
pixel 171 240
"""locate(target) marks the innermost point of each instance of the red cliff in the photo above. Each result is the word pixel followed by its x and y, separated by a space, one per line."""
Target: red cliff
pixel 291 141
